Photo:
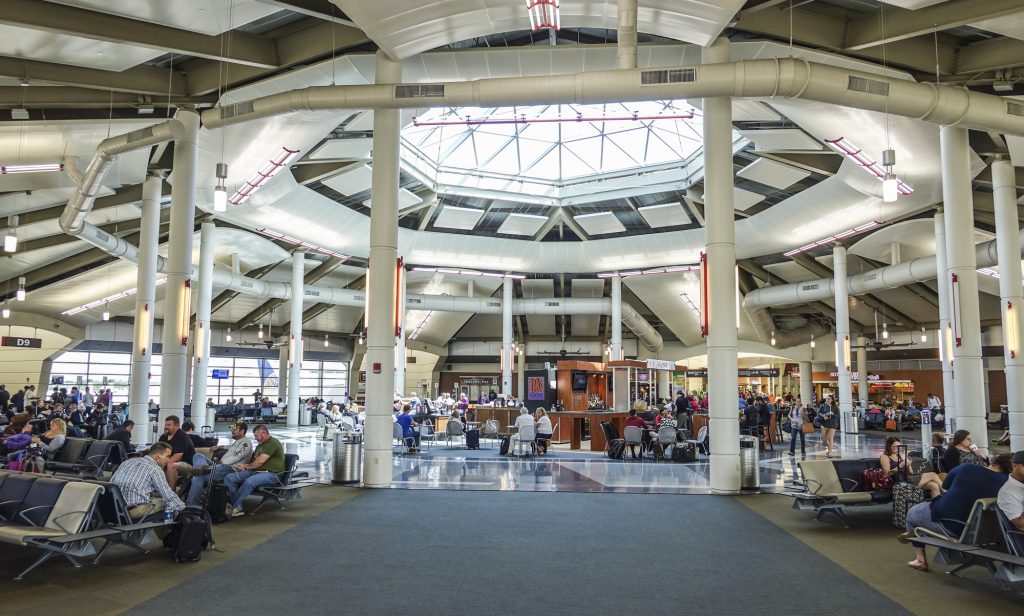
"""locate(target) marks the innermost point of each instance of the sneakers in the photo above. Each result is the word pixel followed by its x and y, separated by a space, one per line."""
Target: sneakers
pixel 236 513
pixel 202 470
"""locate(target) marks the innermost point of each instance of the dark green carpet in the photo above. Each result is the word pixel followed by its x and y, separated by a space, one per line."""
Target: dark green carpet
pixel 443 552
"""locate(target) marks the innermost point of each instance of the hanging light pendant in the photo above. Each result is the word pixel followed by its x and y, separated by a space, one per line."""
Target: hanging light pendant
pixel 890 184
pixel 227 337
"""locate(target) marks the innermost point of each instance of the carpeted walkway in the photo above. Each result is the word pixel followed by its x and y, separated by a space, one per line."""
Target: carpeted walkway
pixel 400 551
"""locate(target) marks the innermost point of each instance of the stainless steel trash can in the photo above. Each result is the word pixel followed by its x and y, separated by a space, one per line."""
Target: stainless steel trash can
pixel 749 476
pixel 348 457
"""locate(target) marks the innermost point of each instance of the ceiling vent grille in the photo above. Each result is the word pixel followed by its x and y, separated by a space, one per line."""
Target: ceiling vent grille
pixel 1016 109
pixel 808 287
pixel 869 86
pixel 675 75
pixel 237 109
pixel 425 90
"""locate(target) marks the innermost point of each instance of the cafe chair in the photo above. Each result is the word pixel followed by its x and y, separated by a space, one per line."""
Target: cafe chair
pixel 702 436
pixel 453 432
pixel 525 438
pixel 405 442
pixel 491 429
pixel 427 434
pixel 667 438
pixel 634 436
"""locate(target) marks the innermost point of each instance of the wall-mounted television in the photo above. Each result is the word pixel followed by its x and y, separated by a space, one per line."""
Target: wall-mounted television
pixel 642 377
pixel 579 381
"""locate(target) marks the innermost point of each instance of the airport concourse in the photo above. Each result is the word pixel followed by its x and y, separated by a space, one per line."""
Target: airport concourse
pixel 518 306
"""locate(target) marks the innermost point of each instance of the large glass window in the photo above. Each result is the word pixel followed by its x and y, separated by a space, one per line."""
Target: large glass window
pixel 244 376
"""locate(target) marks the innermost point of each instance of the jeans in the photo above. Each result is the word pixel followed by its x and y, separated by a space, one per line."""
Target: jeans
pixel 198 485
pixel 413 436
pixel 792 439
pixel 241 484
pixel 921 515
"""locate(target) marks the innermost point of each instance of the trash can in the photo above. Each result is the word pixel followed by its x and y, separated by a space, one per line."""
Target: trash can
pixel 305 415
pixel 749 476
pixel 348 457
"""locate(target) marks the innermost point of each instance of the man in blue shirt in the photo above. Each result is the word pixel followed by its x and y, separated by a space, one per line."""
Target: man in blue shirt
pixel 948 513
pixel 405 420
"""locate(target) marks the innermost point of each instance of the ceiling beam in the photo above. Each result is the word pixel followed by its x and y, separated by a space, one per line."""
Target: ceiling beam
pixel 59 239
pixel 572 224
pixel 899 24
pixel 817 29
pixel 56 97
pixel 312 276
pixel 296 43
pixel 244 48
pixel 321 307
pixel 764 275
pixel 139 79
pixel 226 296
pixel 990 55
pixel 122 196
pixel 321 9
pixel 696 209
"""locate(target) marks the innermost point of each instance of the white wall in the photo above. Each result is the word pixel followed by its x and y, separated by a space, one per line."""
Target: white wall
pixel 20 367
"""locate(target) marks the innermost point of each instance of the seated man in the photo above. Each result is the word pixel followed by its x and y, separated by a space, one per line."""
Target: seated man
pixel 525 419
pixel 262 471
pixel 1011 495
pixel 409 431
pixel 239 452
pixel 139 477
pixel 948 513
pixel 123 435
pixel 182 450
pixel 645 435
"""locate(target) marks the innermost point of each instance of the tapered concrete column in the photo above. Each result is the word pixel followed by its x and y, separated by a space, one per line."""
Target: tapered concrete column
pixel 201 337
pixel 806 382
pixel 178 269
pixel 625 56
pixel 862 373
pixel 380 314
pixel 1004 192
pixel 616 344
pixel 282 373
pixel 945 333
pixel 295 336
pixel 145 305
pixel 521 373
pixel 189 360
pixel 720 232
pixel 847 420
pixel 506 336
pixel 962 280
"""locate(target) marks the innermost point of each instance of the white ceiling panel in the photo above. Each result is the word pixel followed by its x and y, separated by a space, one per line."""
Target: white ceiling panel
pixel 452 217
pixel 745 110
pixel 205 16
pixel 76 51
pixel 781 139
pixel 1007 25
pixel 665 215
pixel 913 4
pixel 522 224
pixel 744 199
pixel 344 148
pixel 540 325
pixel 600 223
pixel 351 182
pixel 771 173
pixel 586 325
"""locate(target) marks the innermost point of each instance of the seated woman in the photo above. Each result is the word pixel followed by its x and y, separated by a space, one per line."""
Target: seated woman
pixel 892 462
pixel 53 439
pixel 963 451
pixel 544 430
pixel 938 451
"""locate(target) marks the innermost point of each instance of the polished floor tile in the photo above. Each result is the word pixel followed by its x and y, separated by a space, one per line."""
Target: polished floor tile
pixel 563 470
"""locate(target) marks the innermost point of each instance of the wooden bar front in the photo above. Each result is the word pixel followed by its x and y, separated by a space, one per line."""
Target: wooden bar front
pixel 570 427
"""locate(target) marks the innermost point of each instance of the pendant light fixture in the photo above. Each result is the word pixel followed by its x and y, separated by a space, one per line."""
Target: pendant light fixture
pixel 812 341
pixel 106 311
pixel 20 295
pixel 773 338
pixel 259 334
pixel 220 192
pixel 885 331
pixel 924 335
pixel 6 311
pixel 11 239
pixel 326 343
pixel 227 337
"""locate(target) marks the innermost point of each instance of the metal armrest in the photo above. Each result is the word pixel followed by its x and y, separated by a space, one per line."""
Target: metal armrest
pixel 24 517
pixel 302 475
pixel 810 481
pixel 61 526
pixel 856 484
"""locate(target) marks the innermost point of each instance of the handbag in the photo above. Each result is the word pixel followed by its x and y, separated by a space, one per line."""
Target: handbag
pixel 787 426
pixel 876 480
pixel 817 421
pixel 807 427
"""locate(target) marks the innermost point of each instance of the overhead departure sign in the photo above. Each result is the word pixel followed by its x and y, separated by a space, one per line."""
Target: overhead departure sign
pixel 23 343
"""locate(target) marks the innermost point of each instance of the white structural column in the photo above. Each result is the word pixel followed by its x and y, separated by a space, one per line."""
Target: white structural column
pixel 380 313
pixel 862 373
pixel 295 336
pixel 521 373
pixel 616 345
pixel 1011 294
pixel 945 337
pixel 282 373
pixel 848 421
pixel 178 269
pixel 806 382
pixel 625 56
pixel 507 354
pixel 145 304
pixel 961 265
pixel 201 337
pixel 721 272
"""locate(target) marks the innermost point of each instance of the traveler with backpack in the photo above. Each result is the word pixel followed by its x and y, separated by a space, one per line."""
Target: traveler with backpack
pixel 139 477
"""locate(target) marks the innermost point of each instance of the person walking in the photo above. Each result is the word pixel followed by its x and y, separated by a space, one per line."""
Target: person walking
pixel 829 424
pixel 797 419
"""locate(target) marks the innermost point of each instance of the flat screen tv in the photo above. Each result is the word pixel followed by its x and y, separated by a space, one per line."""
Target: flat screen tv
pixel 579 381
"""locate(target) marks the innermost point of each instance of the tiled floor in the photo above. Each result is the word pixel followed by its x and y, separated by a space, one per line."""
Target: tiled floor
pixel 568 471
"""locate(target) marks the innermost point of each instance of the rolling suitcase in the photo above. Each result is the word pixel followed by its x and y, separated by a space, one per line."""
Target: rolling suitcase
pixel 473 439
pixel 904 496
pixel 617 448
pixel 506 442
pixel 218 504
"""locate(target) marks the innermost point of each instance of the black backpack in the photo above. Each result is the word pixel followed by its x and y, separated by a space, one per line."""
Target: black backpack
pixel 190 536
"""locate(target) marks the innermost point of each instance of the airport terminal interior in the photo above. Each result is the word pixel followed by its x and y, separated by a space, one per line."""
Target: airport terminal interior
pixel 675 306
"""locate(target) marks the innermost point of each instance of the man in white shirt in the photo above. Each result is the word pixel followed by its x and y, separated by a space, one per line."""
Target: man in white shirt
pixel 1011 495
pixel 525 420
pixel 933 402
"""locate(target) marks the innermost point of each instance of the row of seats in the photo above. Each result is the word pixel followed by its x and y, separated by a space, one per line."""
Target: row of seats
pixel 86 457
pixel 832 485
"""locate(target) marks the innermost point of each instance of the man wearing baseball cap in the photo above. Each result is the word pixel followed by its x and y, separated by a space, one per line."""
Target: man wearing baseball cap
pixel 1011 495
pixel 239 452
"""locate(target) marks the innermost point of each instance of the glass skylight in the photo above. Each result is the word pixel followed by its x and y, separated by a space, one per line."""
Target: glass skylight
pixel 541 151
